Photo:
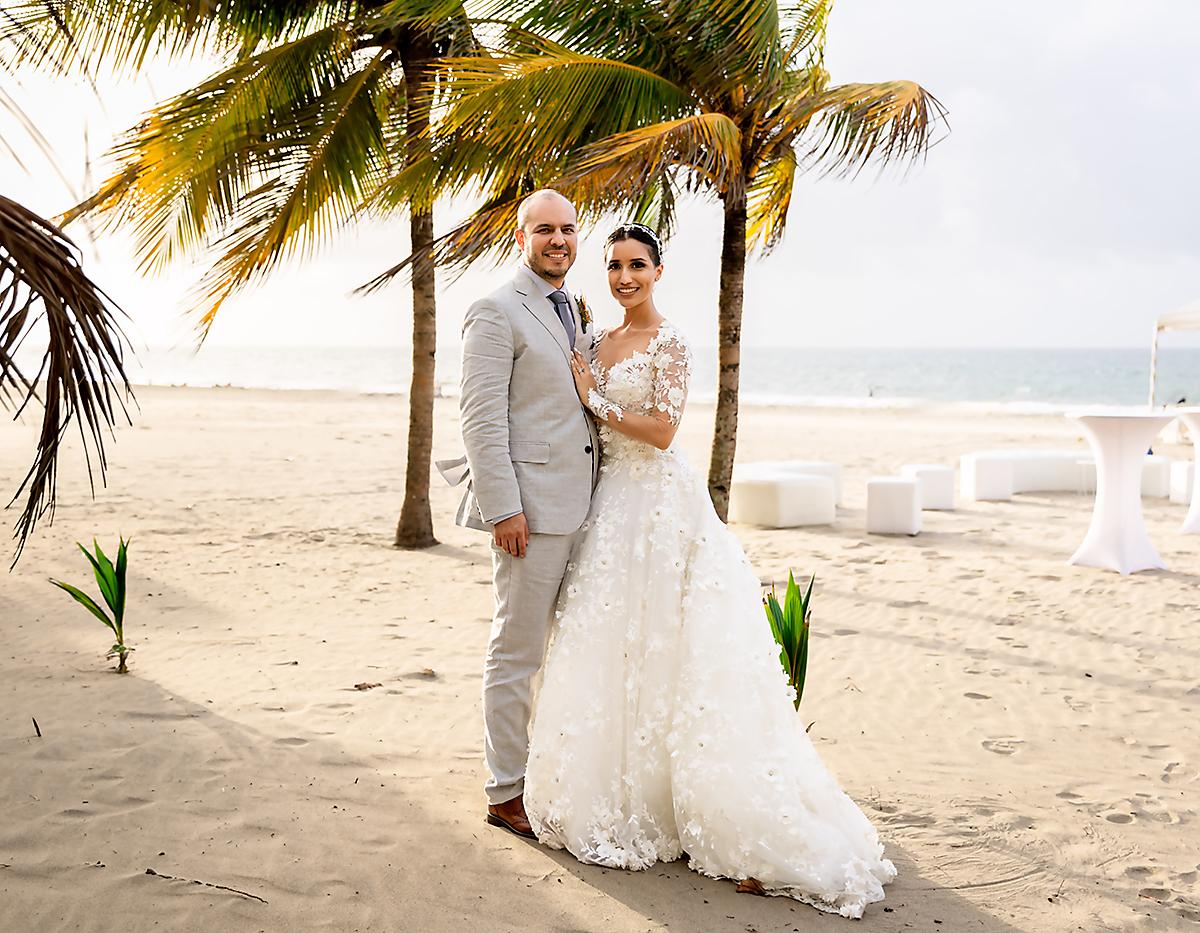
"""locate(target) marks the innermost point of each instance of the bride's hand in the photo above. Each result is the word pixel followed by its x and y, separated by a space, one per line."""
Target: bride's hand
pixel 584 380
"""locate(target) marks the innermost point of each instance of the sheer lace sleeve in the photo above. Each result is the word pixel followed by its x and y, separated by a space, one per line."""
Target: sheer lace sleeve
pixel 672 371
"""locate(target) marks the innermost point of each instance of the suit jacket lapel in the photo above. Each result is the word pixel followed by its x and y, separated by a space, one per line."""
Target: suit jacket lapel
pixel 540 308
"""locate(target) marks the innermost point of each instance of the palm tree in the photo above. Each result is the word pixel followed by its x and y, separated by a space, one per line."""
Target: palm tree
pixel 320 105
pixel 628 106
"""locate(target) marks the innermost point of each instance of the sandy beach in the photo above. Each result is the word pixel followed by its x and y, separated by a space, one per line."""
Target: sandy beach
pixel 1024 733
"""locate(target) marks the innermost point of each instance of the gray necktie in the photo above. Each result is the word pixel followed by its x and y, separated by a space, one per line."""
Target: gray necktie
pixel 559 298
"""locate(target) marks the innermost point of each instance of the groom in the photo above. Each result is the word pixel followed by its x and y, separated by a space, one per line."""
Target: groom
pixel 534 457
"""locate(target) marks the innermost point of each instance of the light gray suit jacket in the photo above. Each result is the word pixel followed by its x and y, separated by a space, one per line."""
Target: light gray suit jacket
pixel 531 445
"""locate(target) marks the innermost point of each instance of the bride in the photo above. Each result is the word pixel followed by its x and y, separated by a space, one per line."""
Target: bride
pixel 665 724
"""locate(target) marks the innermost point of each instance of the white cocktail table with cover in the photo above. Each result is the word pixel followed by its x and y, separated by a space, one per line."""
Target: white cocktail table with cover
pixel 1117 538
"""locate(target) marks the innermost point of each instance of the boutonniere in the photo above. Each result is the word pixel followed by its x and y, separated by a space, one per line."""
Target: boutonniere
pixel 585 313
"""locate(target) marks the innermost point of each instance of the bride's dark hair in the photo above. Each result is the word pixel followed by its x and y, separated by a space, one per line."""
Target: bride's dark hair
pixel 641 233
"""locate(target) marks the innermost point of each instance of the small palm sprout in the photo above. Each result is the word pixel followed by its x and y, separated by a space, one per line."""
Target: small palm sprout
pixel 789 625
pixel 111 581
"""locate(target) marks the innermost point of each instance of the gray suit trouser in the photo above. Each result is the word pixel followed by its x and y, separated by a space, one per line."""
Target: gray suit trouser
pixel 526 590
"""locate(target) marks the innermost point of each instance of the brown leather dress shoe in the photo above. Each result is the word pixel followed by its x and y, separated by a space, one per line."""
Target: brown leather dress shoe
pixel 510 815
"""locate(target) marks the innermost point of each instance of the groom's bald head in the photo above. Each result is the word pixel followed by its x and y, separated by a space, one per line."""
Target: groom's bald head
pixel 543 197
pixel 547 234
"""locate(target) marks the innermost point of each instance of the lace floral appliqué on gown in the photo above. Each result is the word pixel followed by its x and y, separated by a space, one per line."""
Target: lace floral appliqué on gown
pixel 664 723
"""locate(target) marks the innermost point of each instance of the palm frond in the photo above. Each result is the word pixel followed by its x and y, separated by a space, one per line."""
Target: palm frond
pixel 634 31
pixel 326 166
pixel 731 45
pixel 711 46
pixel 804 26
pixel 657 206
pixel 429 14
pixel 183 169
pixel 536 108
pixel 706 143
pixel 83 366
pixel 79 35
pixel 769 199
pixel 860 123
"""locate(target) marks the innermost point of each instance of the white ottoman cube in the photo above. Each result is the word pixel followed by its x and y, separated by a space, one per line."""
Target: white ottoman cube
pixel 987 477
pixel 781 501
pixel 893 506
pixel 1183 474
pixel 936 484
pixel 768 468
pixel 1156 477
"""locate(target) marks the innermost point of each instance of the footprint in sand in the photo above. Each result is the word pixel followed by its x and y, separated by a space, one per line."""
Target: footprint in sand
pixel 1152 808
pixel 1119 817
pixel 1176 772
pixel 1002 746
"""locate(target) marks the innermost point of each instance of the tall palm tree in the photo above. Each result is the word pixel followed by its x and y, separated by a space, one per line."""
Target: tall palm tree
pixel 627 106
pixel 319 105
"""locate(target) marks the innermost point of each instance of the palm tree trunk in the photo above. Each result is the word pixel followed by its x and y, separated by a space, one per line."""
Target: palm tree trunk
pixel 415 528
pixel 729 325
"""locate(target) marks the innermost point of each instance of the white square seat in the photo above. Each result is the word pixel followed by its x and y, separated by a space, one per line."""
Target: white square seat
pixel 1183 475
pixel 987 477
pixel 893 505
pixel 936 484
pixel 768 468
pixel 782 501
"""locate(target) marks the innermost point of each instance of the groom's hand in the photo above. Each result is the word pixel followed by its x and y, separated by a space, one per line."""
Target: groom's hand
pixel 512 535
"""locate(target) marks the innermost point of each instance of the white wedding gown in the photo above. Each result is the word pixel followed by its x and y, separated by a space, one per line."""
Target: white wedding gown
pixel 664 723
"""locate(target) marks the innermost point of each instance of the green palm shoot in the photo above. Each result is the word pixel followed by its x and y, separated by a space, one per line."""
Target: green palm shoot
pixel 111 580
pixel 789 625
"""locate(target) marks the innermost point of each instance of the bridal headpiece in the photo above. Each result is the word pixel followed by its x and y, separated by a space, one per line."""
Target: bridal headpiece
pixel 649 231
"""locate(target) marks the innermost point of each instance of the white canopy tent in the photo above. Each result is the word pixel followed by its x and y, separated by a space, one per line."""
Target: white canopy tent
pixel 1186 318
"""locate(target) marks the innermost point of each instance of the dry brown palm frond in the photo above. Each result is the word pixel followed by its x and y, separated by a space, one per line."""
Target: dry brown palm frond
pixel 83 366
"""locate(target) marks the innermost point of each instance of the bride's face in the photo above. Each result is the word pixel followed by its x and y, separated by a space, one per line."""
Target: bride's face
pixel 631 272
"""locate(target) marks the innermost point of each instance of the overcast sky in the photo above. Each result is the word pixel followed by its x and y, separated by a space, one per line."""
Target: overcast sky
pixel 1060 210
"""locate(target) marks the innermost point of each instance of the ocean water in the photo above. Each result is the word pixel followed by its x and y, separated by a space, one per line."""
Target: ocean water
pixel 1015 379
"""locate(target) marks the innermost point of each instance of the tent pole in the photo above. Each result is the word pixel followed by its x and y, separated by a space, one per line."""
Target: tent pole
pixel 1153 364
